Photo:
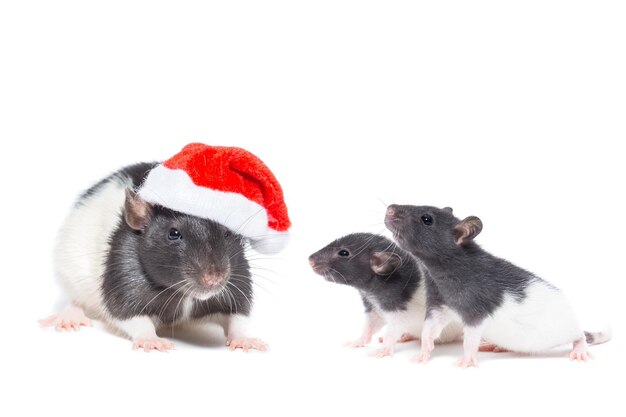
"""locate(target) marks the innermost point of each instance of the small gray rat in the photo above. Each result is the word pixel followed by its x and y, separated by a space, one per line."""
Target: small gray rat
pixel 494 299
pixel 137 266
pixel 390 282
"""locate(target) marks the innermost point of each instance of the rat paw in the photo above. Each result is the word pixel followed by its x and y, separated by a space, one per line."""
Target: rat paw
pixel 488 347
pixel 406 337
pixel 580 355
pixel 423 357
pixel 153 343
pixel 71 318
pixel 467 362
pixel 381 353
pixel 246 343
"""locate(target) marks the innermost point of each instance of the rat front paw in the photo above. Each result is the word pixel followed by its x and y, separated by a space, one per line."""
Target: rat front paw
pixel 153 343
pixel 246 343
pixel 467 362
pixel 71 318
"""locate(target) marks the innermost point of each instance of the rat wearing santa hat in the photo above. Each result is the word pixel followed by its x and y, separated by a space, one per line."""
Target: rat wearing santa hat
pixel 164 244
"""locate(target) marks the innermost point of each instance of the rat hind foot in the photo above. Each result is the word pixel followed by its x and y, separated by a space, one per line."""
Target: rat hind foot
pixel 406 337
pixel 70 318
pixel 579 352
pixel 488 347
pixel 246 343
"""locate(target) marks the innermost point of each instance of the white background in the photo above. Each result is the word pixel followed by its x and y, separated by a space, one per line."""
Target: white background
pixel 512 111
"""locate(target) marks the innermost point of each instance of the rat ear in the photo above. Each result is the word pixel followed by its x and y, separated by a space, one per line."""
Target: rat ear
pixel 467 229
pixel 385 263
pixel 137 211
pixel 448 209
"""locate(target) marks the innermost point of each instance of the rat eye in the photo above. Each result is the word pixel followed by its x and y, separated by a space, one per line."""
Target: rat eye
pixel 343 252
pixel 174 234
pixel 227 234
pixel 427 220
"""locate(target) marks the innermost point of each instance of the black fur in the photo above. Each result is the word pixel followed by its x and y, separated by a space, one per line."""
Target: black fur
pixel 135 174
pixel 391 291
pixel 463 277
pixel 142 265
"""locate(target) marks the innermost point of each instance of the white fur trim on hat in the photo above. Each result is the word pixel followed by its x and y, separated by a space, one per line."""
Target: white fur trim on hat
pixel 174 189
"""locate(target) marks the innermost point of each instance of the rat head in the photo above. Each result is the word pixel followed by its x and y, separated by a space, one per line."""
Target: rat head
pixel 430 231
pixel 357 260
pixel 181 251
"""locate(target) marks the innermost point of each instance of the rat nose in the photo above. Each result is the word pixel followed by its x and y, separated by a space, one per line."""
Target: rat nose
pixel 392 210
pixel 212 280
pixel 311 261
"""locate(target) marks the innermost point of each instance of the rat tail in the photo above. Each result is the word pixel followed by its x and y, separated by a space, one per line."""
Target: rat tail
pixel 595 338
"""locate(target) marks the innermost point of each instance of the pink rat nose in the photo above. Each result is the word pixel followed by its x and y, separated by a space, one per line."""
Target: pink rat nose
pixel 212 280
pixel 312 262
pixel 391 211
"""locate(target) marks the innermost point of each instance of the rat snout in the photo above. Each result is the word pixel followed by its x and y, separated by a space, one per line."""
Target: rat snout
pixel 212 280
pixel 393 212
pixel 317 264
pixel 394 218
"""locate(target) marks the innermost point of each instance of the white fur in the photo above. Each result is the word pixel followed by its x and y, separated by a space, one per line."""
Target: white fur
pixel 140 327
pixel 543 320
pixel 238 326
pixel 411 320
pixel 174 189
pixel 82 246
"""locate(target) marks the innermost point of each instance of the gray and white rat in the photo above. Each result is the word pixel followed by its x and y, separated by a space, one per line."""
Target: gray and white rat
pixel 138 266
pixel 494 299
pixel 390 282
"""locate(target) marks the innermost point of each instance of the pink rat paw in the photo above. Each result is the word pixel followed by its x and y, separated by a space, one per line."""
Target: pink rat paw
pixel 381 353
pixel 467 362
pixel 406 337
pixel 246 343
pixel 580 355
pixel 579 352
pixel 153 343
pixel 488 347
pixel 71 318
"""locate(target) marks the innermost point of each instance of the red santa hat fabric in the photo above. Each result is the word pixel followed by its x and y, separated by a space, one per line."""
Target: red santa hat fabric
pixel 226 184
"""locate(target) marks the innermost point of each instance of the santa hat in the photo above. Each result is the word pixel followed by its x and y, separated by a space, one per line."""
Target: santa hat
pixel 228 185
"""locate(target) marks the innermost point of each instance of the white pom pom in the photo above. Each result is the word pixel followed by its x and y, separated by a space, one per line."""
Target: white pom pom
pixel 270 244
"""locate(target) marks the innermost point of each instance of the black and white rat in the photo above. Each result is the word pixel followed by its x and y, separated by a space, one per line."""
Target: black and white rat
pixel 494 299
pixel 138 266
pixel 390 282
